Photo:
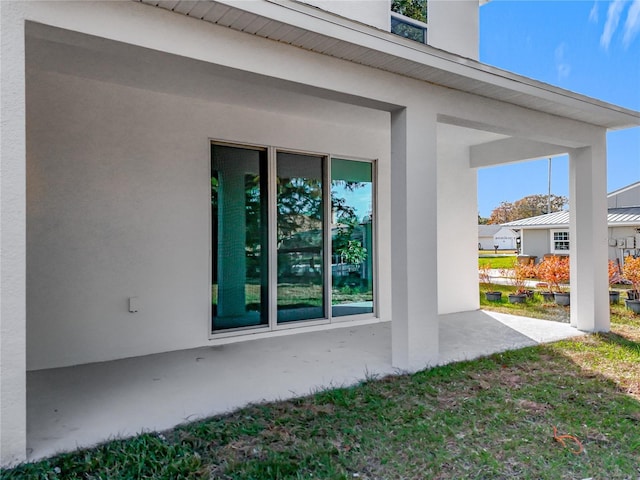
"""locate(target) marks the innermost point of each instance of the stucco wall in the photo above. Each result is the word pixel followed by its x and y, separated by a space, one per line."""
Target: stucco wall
pixel 125 173
pixel 535 242
pixel 119 202
pixel 454 26
pixel 457 228
pixel 370 12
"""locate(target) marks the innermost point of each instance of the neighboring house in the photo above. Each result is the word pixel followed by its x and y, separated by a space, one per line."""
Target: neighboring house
pixel 549 234
pixel 496 236
pixel 167 170
pixel 628 196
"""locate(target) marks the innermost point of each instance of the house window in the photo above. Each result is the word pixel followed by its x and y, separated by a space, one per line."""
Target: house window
pixel 351 237
pixel 300 237
pixel 560 241
pixel 239 289
pixel 409 19
pixel 291 238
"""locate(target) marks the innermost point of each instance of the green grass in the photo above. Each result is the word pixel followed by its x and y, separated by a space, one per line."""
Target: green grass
pixel 490 418
pixel 535 307
pixel 497 262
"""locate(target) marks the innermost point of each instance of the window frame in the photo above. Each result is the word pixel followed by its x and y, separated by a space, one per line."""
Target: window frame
pixel 554 242
pixel 374 239
pixel 273 326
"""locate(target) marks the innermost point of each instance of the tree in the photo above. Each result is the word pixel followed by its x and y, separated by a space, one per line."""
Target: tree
pixel 529 206
pixel 482 220
pixel 501 214
pixel 416 9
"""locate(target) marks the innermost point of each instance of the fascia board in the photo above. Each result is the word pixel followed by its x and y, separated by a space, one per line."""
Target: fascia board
pixel 325 23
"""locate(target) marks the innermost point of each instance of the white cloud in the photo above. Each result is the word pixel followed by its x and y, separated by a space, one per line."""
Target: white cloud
pixel 593 14
pixel 563 68
pixel 632 24
pixel 613 18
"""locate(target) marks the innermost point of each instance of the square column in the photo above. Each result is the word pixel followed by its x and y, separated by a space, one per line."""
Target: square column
pixel 588 237
pixel 13 413
pixel 414 249
pixel 457 227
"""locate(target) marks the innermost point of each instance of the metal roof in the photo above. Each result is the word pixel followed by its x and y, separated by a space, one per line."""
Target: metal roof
pixel 615 217
pixel 316 30
pixel 488 230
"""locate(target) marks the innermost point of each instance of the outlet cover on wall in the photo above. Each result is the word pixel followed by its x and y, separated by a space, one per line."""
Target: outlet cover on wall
pixel 134 304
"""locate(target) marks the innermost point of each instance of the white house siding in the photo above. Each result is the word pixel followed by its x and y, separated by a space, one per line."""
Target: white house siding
pixel 118 206
pixel 485 243
pixel 505 238
pixel 118 173
pixel 535 242
pixel 13 391
pixel 456 232
pixel 623 233
pixel 416 109
pixel 453 26
pixel 626 197
pixel 375 14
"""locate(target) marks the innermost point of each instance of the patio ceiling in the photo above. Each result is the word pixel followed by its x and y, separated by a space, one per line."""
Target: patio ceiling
pixel 319 31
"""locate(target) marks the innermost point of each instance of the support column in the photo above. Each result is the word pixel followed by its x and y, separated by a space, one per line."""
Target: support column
pixel 588 237
pixel 457 228
pixel 13 398
pixel 414 249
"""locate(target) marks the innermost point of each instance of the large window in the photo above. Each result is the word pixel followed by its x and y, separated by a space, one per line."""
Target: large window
pixel 351 237
pixel 239 288
pixel 292 238
pixel 560 241
pixel 300 237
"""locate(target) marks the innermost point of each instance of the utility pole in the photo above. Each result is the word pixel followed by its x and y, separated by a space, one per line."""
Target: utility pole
pixel 549 189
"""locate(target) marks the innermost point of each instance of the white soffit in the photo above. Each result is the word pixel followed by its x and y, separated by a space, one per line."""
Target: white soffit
pixel 323 32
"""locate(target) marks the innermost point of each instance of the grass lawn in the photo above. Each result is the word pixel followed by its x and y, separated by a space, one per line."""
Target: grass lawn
pixel 497 262
pixel 535 307
pixel 491 418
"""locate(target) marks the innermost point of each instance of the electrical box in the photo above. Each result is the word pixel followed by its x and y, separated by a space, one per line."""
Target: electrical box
pixel 630 242
pixel 621 242
pixel 637 240
pixel 612 242
pixel 134 304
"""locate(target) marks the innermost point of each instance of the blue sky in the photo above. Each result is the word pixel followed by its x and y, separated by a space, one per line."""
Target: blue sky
pixel 586 46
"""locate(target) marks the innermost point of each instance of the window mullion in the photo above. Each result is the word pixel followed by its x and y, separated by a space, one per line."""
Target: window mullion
pixel 273 238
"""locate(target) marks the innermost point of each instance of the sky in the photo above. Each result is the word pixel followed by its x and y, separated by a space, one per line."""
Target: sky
pixel 586 46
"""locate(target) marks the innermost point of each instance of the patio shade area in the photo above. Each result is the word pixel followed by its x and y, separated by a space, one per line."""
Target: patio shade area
pixel 83 405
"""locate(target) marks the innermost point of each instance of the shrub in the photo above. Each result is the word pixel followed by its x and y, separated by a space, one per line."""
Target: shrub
pixel 518 276
pixel 614 273
pixel 554 270
pixel 484 273
pixel 631 271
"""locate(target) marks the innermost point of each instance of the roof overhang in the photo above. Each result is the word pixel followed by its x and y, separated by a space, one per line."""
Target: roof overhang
pixel 319 31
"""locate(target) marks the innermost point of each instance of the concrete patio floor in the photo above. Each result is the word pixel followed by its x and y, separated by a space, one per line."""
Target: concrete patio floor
pixel 84 405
